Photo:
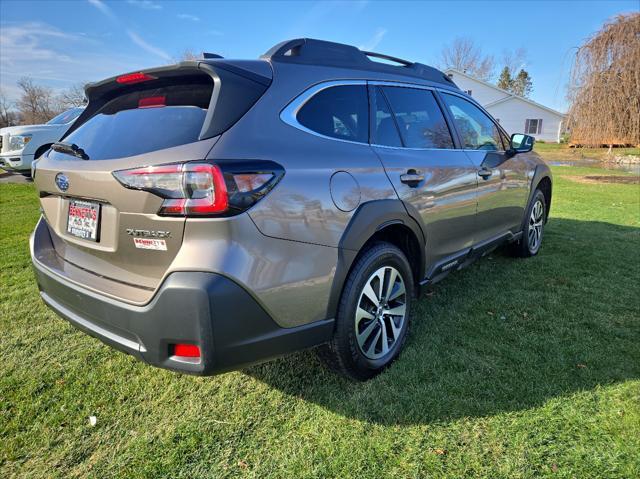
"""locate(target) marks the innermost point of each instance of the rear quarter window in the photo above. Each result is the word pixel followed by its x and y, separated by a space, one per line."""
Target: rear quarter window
pixel 340 112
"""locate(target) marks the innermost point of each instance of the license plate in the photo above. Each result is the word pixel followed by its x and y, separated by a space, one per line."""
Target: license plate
pixel 84 219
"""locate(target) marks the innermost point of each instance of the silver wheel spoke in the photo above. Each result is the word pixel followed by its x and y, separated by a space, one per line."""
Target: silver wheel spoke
pixel 397 311
pixel 392 281
pixel 372 347
pixel 362 313
pixel 362 337
pixel 385 340
pixel 395 328
pixel 369 293
pixel 380 274
pixel 399 291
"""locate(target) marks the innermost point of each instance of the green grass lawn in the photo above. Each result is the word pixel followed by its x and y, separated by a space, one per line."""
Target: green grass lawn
pixel 513 368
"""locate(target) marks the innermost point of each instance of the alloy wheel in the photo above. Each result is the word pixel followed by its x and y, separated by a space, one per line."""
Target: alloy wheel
pixel 536 221
pixel 380 314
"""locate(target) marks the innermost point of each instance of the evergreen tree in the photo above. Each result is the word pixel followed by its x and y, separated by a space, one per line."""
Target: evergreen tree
pixel 522 84
pixel 505 81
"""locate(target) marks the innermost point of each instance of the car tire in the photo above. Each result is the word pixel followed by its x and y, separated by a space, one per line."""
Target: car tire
pixel 536 215
pixel 373 314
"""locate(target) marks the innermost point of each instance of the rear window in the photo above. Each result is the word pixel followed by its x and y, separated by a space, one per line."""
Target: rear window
pixel 338 112
pixel 143 121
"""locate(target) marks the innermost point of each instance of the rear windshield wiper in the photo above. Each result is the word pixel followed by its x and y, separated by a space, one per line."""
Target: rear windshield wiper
pixel 69 149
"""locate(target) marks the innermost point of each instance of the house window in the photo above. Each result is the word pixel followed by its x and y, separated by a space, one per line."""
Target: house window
pixel 533 126
pixel 468 92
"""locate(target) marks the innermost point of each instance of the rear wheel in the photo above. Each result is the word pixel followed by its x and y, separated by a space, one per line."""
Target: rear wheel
pixel 373 315
pixel 531 240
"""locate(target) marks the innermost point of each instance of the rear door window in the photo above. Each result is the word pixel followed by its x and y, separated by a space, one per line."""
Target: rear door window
pixel 340 112
pixel 419 118
pixel 143 121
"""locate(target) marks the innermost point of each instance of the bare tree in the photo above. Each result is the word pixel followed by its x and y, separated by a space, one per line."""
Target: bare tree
pixel 464 55
pixel 71 97
pixel 36 103
pixel 605 86
pixel 187 55
pixel 7 116
pixel 514 60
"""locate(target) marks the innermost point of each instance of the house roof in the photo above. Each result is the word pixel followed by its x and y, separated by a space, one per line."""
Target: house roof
pixel 509 95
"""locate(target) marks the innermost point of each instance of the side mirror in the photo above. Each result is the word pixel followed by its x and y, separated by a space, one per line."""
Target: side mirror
pixel 521 143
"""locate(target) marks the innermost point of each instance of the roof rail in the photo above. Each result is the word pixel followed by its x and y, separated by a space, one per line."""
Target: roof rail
pixel 310 51
pixel 406 63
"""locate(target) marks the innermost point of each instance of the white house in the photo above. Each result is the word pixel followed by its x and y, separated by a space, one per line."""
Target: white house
pixel 516 114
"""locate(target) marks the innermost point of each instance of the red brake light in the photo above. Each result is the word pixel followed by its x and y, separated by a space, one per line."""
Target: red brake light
pixel 188 188
pixel 186 350
pixel 132 78
pixel 152 101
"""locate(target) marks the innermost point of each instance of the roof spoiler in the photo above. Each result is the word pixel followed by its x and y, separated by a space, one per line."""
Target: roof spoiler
pixel 225 76
pixel 320 52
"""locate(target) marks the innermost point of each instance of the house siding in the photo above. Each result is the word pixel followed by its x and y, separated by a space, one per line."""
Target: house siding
pixel 513 111
pixel 483 94
pixel 513 114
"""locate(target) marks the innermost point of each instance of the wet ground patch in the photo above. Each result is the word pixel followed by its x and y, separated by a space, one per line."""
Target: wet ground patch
pixel 596 179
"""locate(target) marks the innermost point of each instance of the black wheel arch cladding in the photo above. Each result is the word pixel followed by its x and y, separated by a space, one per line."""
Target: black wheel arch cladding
pixel 370 218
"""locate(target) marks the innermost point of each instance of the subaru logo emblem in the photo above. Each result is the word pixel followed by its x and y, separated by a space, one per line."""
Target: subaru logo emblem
pixel 62 182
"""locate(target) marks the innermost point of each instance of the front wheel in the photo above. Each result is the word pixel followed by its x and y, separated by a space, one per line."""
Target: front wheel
pixel 373 314
pixel 531 240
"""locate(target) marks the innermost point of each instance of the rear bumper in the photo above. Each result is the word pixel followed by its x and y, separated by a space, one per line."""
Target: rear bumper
pixel 206 309
pixel 16 161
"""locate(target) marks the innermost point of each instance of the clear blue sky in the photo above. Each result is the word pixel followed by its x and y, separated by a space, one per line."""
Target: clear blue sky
pixel 59 43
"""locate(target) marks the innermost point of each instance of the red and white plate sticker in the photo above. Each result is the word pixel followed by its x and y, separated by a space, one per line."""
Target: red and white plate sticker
pixel 146 243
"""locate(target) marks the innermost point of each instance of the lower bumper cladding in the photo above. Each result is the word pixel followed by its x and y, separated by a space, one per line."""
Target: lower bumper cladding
pixel 207 310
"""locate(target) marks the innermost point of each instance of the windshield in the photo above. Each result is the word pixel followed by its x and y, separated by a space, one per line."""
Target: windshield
pixel 66 117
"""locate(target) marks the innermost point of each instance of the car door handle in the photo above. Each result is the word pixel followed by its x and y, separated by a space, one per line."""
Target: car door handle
pixel 485 172
pixel 412 178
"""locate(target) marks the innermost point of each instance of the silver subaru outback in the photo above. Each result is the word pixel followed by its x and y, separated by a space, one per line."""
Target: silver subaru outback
pixel 217 213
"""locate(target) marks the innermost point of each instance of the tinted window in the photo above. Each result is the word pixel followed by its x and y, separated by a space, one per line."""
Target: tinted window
pixel 339 112
pixel 477 131
pixel 419 118
pixel 385 130
pixel 144 121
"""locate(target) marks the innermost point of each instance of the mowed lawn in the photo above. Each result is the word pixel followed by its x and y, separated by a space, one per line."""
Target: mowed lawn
pixel 514 368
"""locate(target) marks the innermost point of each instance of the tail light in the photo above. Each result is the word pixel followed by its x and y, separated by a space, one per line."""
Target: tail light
pixel 188 188
pixel 204 189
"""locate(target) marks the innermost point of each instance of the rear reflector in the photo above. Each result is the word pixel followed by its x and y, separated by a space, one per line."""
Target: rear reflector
pixel 132 78
pixel 152 101
pixel 186 350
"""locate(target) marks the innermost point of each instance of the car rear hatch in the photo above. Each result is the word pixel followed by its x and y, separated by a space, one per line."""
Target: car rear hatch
pixel 108 237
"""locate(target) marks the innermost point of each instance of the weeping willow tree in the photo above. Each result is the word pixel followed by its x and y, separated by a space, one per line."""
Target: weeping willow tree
pixel 605 86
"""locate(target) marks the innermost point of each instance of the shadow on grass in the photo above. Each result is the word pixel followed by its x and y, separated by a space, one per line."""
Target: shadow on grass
pixel 503 335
